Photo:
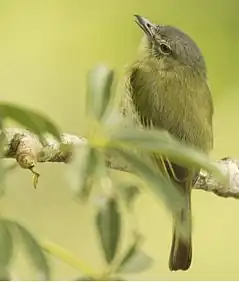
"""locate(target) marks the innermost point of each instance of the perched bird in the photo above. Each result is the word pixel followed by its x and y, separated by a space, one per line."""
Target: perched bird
pixel 167 88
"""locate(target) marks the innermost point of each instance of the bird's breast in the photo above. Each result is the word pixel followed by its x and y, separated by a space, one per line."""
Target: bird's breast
pixel 168 102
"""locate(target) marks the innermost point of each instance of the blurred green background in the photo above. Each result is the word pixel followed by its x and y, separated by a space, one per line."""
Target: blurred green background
pixel 46 49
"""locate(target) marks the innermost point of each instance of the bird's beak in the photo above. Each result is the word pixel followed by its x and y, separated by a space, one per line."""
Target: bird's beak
pixel 147 27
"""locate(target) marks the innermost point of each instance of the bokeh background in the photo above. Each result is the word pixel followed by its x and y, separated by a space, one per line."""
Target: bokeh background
pixel 46 49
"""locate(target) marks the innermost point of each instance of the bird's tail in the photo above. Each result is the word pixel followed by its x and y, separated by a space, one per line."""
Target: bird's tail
pixel 181 249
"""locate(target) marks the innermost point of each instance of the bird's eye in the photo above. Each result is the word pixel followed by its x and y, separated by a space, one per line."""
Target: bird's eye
pixel 165 48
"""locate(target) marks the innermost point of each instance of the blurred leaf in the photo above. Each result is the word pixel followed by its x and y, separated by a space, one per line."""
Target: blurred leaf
pixel 134 260
pixel 108 222
pixel 6 246
pixel 31 120
pixel 131 251
pixel 129 193
pixel 86 166
pixel 35 252
pixel 137 263
pixel 158 184
pixel 100 81
pixel 163 143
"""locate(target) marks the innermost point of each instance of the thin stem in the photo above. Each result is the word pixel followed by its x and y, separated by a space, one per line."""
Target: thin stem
pixel 68 258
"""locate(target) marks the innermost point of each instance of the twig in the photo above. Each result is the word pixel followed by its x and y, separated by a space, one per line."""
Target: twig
pixel 26 148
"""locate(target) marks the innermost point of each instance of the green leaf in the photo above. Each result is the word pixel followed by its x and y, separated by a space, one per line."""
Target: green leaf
pixel 139 262
pixel 131 251
pixel 100 81
pixel 134 260
pixel 129 193
pixel 35 252
pixel 6 245
pixel 84 170
pixel 156 182
pixel 160 141
pixel 31 120
pixel 108 222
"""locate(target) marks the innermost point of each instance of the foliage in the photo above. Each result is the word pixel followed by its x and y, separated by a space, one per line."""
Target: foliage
pixel 88 170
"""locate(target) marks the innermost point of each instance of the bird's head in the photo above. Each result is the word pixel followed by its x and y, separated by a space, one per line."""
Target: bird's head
pixel 170 47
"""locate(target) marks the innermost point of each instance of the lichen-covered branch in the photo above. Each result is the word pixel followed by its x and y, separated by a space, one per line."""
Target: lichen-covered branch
pixel 26 148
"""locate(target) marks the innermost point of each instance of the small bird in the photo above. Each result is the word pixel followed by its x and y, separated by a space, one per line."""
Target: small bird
pixel 167 88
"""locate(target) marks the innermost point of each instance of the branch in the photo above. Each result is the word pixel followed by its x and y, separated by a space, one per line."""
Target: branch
pixel 25 147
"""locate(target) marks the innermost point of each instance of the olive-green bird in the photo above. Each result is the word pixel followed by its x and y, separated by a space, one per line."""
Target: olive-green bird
pixel 167 89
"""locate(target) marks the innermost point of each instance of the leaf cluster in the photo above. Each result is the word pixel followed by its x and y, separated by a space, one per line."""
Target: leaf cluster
pixel 88 170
